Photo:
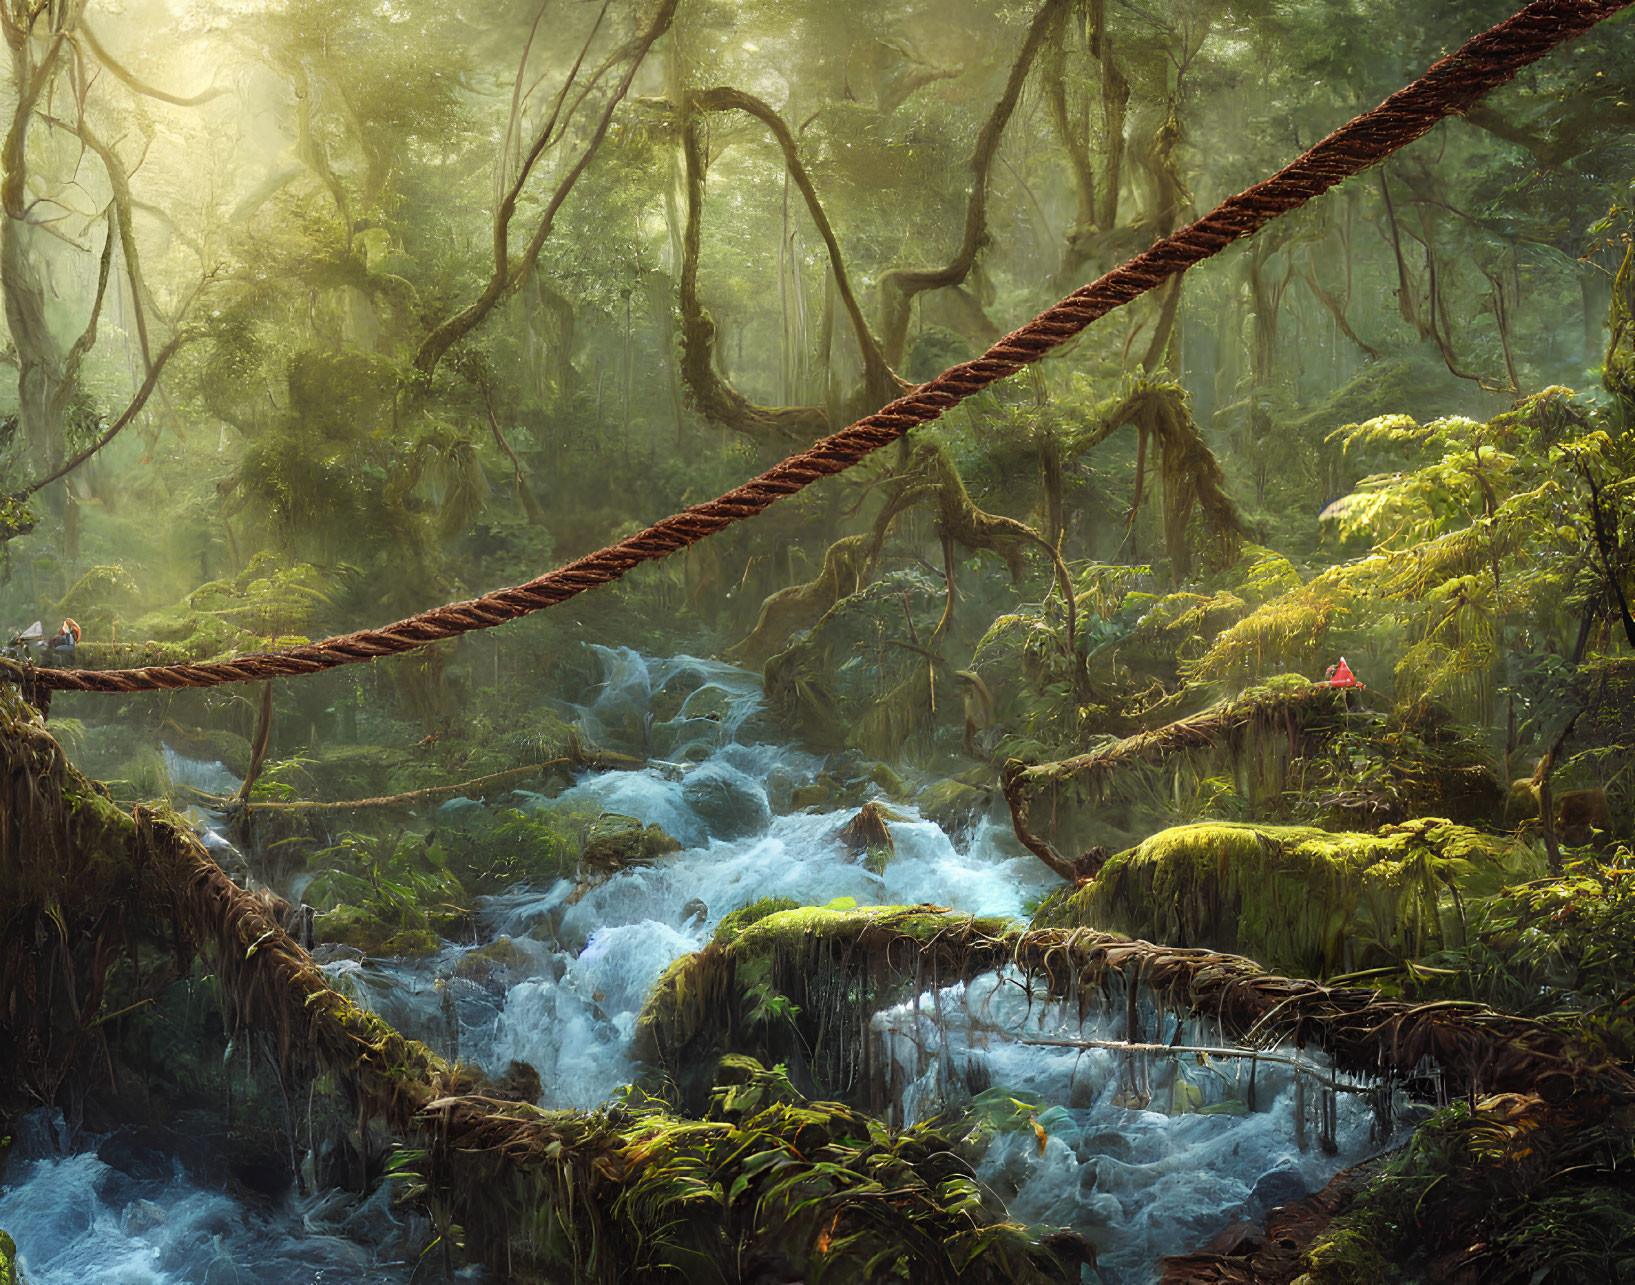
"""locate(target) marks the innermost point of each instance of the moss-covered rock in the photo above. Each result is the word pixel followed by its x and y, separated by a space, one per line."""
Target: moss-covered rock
pixel 1295 898
pixel 616 841
pixel 732 925
pixel 952 804
pixel 816 795
pixel 362 929
pixel 8 1260
pixel 500 960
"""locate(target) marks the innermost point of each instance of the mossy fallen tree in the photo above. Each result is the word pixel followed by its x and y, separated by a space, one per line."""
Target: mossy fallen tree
pixel 1294 897
pixel 801 986
pixel 84 885
pixel 1302 710
pixel 1288 748
pixel 101 909
pixel 806 979
pixel 1298 713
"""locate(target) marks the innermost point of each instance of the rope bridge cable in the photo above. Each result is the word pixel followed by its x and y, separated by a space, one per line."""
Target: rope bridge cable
pixel 1448 88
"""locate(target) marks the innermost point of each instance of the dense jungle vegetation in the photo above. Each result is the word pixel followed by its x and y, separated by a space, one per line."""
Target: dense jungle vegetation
pixel 730 922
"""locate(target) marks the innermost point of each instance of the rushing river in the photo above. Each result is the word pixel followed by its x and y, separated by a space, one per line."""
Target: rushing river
pixel 1146 1157
pixel 132 1209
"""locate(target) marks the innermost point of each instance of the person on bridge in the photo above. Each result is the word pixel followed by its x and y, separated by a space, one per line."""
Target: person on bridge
pixel 62 646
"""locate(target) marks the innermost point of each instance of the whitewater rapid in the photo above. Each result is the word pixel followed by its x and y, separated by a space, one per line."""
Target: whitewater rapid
pixel 1145 1156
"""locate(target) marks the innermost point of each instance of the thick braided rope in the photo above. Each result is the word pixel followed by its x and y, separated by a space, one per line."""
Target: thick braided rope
pixel 1448 88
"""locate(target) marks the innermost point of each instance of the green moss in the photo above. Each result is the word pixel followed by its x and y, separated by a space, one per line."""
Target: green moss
pixel 1298 899
pixel 500 958
pixel 952 804
pixel 1505 1192
pixel 765 1175
pixel 732 925
pixel 816 795
pixel 142 777
pixel 492 849
pixel 785 985
pixel 8 1260
pixel 615 841
pixel 16 518
pixel 361 928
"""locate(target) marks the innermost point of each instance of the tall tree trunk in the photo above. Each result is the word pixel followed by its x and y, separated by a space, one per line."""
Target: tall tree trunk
pixel 39 355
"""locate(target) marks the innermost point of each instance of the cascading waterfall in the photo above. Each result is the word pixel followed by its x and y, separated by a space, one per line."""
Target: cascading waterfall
pixel 723 789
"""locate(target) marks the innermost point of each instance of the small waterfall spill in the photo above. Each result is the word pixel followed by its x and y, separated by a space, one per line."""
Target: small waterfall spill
pixel 1144 1154
pixel 207 777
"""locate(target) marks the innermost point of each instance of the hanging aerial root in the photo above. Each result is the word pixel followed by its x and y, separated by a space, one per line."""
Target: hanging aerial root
pixel 847 565
pixel 1446 89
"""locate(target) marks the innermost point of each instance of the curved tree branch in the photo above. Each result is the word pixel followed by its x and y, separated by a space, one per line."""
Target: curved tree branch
pixel 716 399
pixel 899 287
pixel 508 275
pixel 177 342
pixel 125 77
pixel 881 383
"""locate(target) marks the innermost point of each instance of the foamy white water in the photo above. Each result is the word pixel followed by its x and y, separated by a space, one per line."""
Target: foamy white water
pixel 142 1220
pixel 1145 1155
pixel 728 802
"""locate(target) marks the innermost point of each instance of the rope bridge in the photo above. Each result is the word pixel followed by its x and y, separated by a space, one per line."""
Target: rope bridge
pixel 1448 88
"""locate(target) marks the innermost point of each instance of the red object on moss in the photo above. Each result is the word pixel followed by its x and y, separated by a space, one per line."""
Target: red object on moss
pixel 1341 676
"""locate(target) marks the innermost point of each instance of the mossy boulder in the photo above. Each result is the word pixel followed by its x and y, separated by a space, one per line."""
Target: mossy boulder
pixel 500 960
pixel 358 927
pixel 732 925
pixel 952 804
pixel 616 841
pixel 8 1260
pixel 818 794
pixel 1297 899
